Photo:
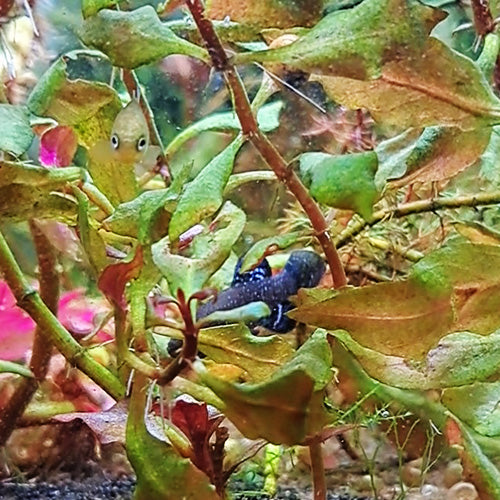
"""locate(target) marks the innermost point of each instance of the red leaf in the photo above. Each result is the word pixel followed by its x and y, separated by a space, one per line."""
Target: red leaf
pixel 57 147
pixel 115 277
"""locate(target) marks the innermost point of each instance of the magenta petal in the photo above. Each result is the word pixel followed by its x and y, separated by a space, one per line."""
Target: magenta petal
pixel 57 147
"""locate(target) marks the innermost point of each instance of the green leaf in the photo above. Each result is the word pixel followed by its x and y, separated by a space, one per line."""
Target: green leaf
pixel 134 38
pixel 91 7
pixel 191 273
pixel 154 461
pixel 88 107
pixel 345 181
pixel 203 195
pixel 356 42
pixel 252 311
pixel 478 405
pixel 10 367
pixel 92 242
pixel 258 249
pixel 458 359
pixel 490 160
pixel 435 87
pixel 477 466
pixel 267 119
pixel 16 135
pixel 138 218
pixel 36 176
pixel 260 357
pixel 293 396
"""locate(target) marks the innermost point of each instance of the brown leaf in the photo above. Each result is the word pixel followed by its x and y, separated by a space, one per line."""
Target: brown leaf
pixel 115 277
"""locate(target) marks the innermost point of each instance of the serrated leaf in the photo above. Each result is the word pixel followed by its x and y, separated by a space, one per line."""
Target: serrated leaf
pixel 345 181
pixel 16 135
pixel 191 274
pixel 435 87
pixel 478 405
pixel 356 42
pixel 134 38
pixel 292 396
pixel 458 359
pixel 203 195
pixel 259 357
pixel 258 249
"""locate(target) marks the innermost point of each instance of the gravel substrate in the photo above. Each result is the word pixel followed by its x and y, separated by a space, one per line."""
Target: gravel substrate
pixel 122 489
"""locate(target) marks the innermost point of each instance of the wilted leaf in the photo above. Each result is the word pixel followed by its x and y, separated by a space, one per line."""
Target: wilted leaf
pixel 345 181
pixel 203 195
pixel 16 135
pixel 109 426
pixel 478 469
pixel 478 405
pixel 477 233
pixel 267 14
pixel 88 107
pixel 134 38
pixel 458 359
pixel 33 176
pixel 259 357
pixel 435 87
pixel 20 202
pixel 190 274
pixel 441 153
pixel 57 147
pixel 343 43
pixel 392 318
pixel 114 278
pixel 292 396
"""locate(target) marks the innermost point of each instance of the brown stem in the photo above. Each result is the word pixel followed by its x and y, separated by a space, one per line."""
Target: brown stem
pixel 42 350
pixel 483 20
pixel 318 471
pixel 266 149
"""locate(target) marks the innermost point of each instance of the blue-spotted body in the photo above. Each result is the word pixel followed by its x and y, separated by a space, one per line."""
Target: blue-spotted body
pixel 303 269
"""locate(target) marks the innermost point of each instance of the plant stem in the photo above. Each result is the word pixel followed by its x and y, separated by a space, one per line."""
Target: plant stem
pixel 318 470
pixel 42 350
pixel 266 149
pixel 50 327
pixel 357 224
pixel 483 20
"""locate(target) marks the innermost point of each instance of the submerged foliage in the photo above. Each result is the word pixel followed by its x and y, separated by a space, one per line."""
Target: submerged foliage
pixel 418 310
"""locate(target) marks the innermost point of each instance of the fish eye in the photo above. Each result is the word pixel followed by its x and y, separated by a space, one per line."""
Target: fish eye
pixel 115 142
pixel 141 144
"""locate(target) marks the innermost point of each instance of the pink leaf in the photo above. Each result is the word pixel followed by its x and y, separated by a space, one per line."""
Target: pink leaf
pixel 58 146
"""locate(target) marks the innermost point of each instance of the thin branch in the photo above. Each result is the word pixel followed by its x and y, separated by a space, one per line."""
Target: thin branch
pixel 357 224
pixel 42 350
pixel 483 20
pixel 52 330
pixel 266 149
